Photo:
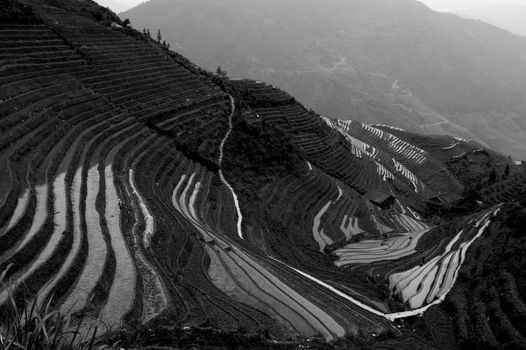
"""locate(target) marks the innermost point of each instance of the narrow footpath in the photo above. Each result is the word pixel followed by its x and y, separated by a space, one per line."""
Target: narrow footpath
pixel 221 174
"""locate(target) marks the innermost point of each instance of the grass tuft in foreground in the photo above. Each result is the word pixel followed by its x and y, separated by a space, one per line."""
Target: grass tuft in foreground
pixel 38 327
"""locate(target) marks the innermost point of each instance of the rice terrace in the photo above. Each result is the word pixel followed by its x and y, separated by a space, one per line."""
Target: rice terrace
pixel 139 191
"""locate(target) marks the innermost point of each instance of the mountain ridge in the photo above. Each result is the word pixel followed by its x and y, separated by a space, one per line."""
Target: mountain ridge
pixel 505 16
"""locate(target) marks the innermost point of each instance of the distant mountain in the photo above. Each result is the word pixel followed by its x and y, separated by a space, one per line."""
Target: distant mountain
pixel 509 17
pixel 380 61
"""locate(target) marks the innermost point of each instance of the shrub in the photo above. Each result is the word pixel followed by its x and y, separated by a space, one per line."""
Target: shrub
pixel 97 15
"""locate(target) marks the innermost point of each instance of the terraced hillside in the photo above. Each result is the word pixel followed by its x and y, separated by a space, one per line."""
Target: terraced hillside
pixel 139 189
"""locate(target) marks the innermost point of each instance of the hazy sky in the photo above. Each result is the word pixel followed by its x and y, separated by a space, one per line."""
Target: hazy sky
pixel 438 5
pixel 131 2
pixel 455 5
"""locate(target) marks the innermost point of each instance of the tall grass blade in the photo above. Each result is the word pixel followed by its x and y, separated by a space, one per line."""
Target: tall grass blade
pixel 32 326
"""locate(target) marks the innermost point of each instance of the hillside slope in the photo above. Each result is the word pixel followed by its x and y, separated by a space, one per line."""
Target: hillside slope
pixel 393 62
pixel 140 189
